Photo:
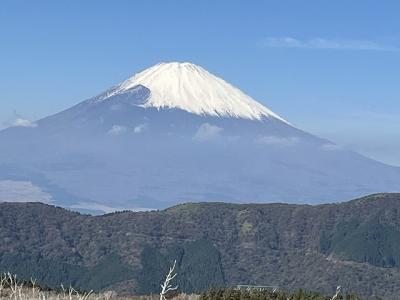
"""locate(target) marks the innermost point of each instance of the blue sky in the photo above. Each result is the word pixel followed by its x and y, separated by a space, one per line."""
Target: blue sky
pixel 330 67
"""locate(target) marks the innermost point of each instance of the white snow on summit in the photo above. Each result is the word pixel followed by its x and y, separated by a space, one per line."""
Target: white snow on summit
pixel 190 87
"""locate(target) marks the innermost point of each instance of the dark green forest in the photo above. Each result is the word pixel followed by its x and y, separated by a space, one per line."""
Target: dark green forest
pixel 354 244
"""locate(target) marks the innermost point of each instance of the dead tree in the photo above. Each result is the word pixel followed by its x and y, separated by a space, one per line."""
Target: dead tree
pixel 166 286
pixel 337 293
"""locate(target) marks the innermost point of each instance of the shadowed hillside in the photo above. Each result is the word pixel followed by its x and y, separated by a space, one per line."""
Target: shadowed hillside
pixel 353 244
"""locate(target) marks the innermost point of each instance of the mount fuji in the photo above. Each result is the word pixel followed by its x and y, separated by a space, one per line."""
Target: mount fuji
pixel 176 133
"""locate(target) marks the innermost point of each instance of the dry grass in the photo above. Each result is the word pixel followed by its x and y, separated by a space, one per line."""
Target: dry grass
pixel 12 289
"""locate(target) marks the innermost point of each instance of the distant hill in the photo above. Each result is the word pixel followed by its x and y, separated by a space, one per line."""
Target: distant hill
pixel 354 244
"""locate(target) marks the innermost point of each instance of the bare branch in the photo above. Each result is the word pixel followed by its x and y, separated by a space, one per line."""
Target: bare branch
pixel 337 293
pixel 166 286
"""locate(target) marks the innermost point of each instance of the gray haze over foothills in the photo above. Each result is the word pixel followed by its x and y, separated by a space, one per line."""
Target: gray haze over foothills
pixel 176 133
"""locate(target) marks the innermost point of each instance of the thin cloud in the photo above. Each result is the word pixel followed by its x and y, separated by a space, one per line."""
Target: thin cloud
pixel 331 147
pixel 20 122
pixel 117 130
pixel 276 140
pixel 93 206
pixel 325 44
pixel 14 191
pixel 140 128
pixel 207 132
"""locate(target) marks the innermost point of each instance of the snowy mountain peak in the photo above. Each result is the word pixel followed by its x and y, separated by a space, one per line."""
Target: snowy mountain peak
pixel 192 88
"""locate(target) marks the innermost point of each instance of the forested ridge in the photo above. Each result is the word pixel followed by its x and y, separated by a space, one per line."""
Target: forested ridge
pixel 353 244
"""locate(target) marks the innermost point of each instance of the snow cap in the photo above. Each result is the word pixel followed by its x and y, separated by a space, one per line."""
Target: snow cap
pixel 192 88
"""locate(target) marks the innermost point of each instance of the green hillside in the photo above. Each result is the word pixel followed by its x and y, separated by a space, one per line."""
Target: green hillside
pixel 354 244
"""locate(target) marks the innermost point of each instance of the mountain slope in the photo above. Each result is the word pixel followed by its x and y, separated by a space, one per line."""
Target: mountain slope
pixel 353 244
pixel 191 88
pixel 140 147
